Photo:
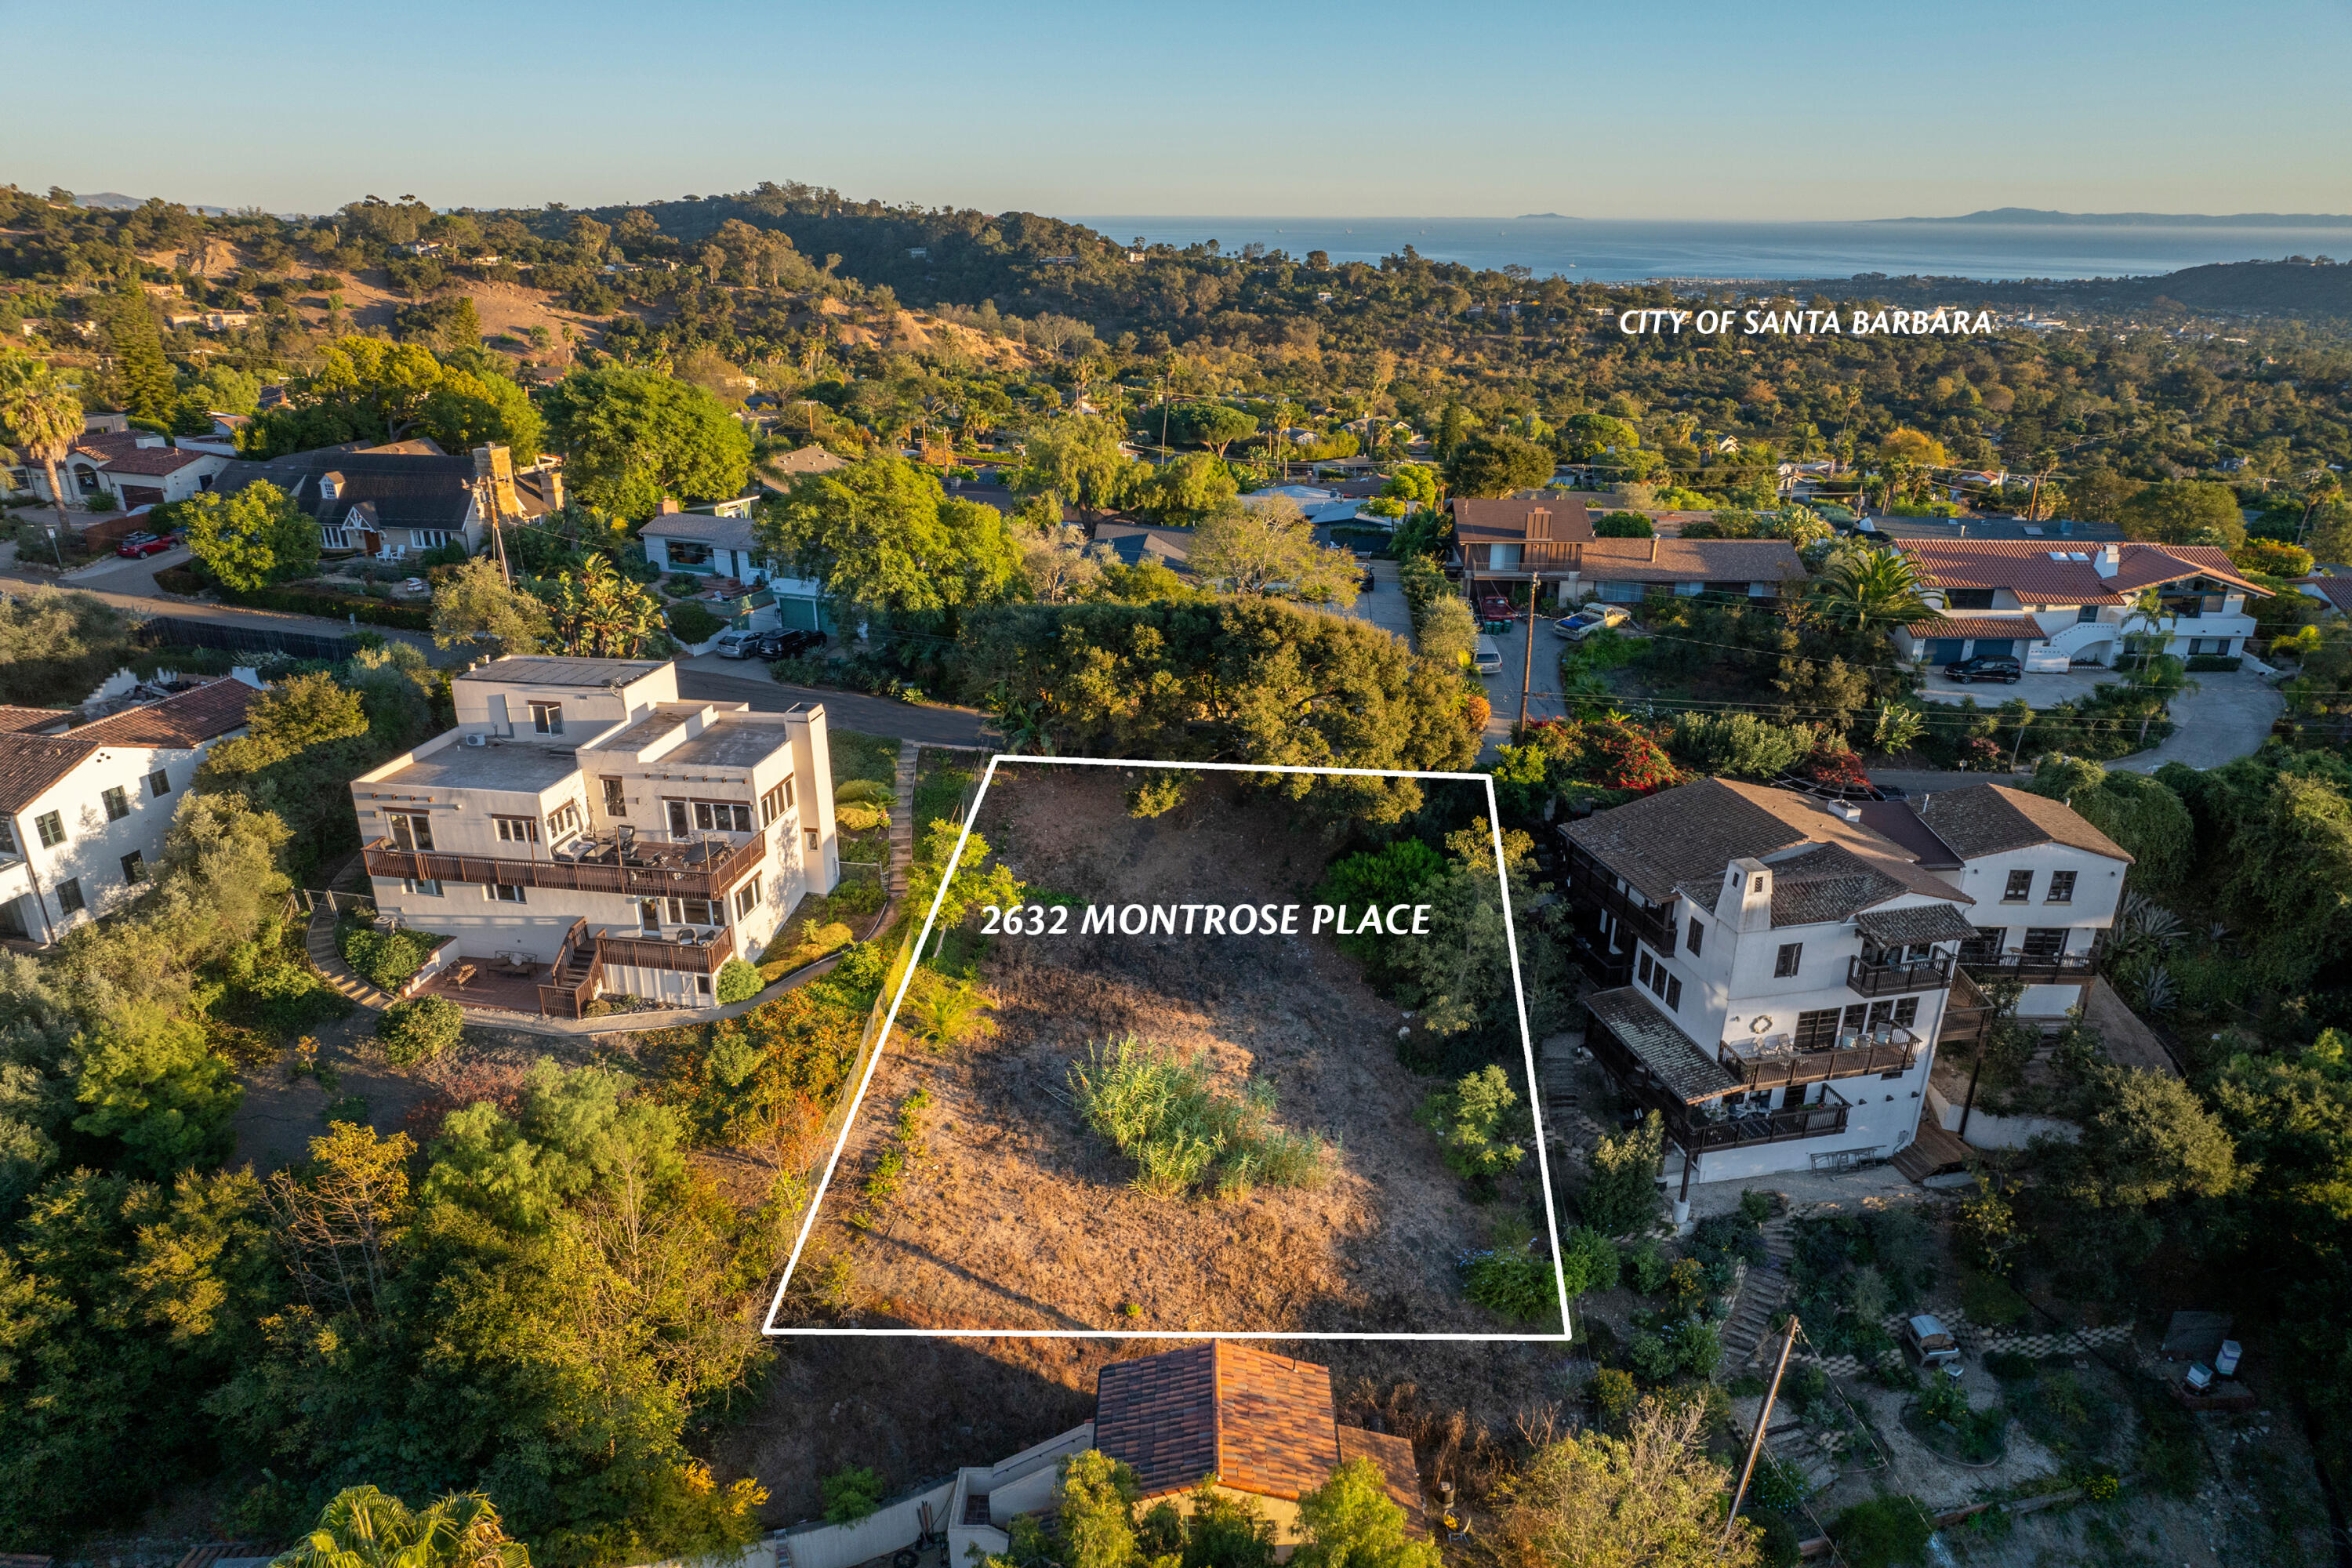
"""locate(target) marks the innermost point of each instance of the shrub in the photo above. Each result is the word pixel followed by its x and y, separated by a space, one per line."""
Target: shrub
pixel 860 790
pixel 1652 1357
pixel 1622 525
pixel 1513 1282
pixel 801 942
pixel 1167 1115
pixel 1989 1299
pixel 1739 745
pixel 739 981
pixel 851 1493
pixel 1590 1261
pixel 858 896
pixel 1621 1194
pixel 387 960
pixel 1159 793
pixel 1475 1122
pixel 2214 661
pixel 692 622
pixel 1887 1530
pixel 1698 1347
pixel 1652 1268
pixel 419 1030
pixel 856 816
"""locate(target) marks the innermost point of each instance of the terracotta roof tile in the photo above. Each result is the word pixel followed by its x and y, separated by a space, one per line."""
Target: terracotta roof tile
pixel 1261 1423
pixel 31 764
pixel 1158 1415
pixel 153 460
pixel 2040 573
pixel 1692 561
pixel 2334 590
pixel 1392 1456
pixel 1986 820
pixel 32 720
pixel 2024 626
pixel 187 719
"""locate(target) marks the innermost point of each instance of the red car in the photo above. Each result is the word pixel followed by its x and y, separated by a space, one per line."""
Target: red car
pixel 135 545
pixel 1497 607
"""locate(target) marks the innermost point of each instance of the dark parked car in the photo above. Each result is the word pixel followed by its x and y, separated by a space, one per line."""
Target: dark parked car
pixel 1997 667
pixel 792 645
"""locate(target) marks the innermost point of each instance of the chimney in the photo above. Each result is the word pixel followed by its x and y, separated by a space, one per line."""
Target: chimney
pixel 494 469
pixel 669 506
pixel 550 485
pixel 2110 560
pixel 1538 523
pixel 1654 547
pixel 1745 901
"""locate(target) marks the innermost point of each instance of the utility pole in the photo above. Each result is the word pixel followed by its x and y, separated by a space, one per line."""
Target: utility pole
pixel 1528 670
pixel 1763 1420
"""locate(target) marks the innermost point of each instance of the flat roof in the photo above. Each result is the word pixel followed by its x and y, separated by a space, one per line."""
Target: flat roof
pixel 523 767
pixel 730 740
pixel 597 672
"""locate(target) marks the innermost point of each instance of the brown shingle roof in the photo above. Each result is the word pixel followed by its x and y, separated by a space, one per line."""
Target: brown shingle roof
pixel 1500 522
pixel 1259 1422
pixel 1393 1457
pixel 153 460
pixel 31 764
pixel 1986 820
pixel 1689 1074
pixel 1692 561
pixel 189 719
pixel 1920 923
pixel 1825 884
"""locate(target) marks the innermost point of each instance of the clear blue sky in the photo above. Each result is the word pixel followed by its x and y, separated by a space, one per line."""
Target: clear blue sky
pixel 1835 109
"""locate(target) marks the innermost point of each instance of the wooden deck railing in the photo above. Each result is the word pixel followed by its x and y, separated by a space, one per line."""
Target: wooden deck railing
pixel 651 952
pixel 653 875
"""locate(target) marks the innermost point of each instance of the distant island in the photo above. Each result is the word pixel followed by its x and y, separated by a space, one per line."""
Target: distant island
pixel 115 201
pixel 2144 220
pixel 1537 218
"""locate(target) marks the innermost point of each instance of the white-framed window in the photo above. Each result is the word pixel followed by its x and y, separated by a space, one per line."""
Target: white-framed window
pixel 775 803
pixel 159 783
pixel 422 886
pixel 51 826
pixel 335 538
pixel 563 819
pixel 118 803
pixel 814 839
pixel 546 718
pixel 429 538
pixel 746 899
pixel 516 829
pixel 502 893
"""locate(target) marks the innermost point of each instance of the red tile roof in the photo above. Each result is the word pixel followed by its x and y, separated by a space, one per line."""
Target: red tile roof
pixel 153 460
pixel 1261 1423
pixel 189 719
pixel 1979 626
pixel 31 764
pixel 2335 591
pixel 32 720
pixel 2040 573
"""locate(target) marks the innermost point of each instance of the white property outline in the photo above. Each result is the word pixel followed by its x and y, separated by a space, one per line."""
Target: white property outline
pixel 1527 1044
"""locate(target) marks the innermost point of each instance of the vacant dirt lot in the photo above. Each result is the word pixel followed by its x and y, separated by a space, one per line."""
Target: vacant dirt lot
pixel 1016 1216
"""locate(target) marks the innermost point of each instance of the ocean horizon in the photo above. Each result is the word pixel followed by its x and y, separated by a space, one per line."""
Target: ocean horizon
pixel 1616 250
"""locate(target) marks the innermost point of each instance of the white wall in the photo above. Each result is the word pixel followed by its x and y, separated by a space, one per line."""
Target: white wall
pixel 895 1524
pixel 94 845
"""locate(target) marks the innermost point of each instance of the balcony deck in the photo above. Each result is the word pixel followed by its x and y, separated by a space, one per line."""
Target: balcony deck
pixel 705 866
pixel 1742 1130
pixel 1781 1070
pixel 1867 979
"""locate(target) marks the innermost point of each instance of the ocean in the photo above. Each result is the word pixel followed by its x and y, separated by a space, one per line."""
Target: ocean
pixel 1619 250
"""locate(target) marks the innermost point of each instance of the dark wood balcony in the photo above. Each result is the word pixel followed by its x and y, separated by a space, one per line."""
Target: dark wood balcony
pixel 2034 968
pixel 1779 1069
pixel 1593 888
pixel 702 956
pixel 1739 1129
pixel 639 867
pixel 1867 977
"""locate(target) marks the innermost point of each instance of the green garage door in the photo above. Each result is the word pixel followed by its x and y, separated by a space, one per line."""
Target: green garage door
pixel 1945 650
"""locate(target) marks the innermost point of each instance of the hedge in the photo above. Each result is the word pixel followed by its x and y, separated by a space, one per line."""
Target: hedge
pixel 322 602
pixel 2214 661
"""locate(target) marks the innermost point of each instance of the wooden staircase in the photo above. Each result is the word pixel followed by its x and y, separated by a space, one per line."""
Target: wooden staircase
pixel 1932 1151
pixel 1762 1288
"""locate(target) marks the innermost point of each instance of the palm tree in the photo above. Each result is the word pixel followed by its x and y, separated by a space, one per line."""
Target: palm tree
pixel 365 1528
pixel 1861 590
pixel 41 415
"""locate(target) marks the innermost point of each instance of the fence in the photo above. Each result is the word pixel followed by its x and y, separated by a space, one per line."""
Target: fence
pixel 176 631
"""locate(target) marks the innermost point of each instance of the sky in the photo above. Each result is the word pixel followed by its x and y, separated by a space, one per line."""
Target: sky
pixel 1707 110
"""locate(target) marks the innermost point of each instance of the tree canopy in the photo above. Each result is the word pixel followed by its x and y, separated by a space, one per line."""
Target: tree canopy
pixel 632 437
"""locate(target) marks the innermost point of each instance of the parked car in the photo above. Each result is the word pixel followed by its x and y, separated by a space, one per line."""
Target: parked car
pixel 1488 659
pixel 792 645
pixel 1997 667
pixel 1927 1338
pixel 1497 607
pixel 135 545
pixel 1584 622
pixel 743 645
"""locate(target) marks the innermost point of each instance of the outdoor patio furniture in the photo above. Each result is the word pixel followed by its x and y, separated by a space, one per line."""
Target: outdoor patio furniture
pixel 463 974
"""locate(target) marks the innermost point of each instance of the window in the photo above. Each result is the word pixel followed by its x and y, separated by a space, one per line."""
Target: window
pixel 7 836
pixel 1784 964
pixel 563 819
pixel 687 553
pixel 1817 1031
pixel 1697 934
pixel 702 984
pixel 51 828
pixel 1643 970
pixel 1968 598
pixel 677 818
pixel 2045 941
pixel 1985 946
pixel 617 800
pixel 2019 889
pixel 546 718
pixel 649 914
pixel 2061 887
pixel 516 829
pixel 1907 1011
pixel 424 887
pixel 502 892
pixel 412 831
pixel 117 803
pixel 722 816
pixel 69 895
pixel 775 803
pixel 428 538
pixel 159 783
pixel 1674 994
pixel 2087 613
pixel 692 911
pixel 813 840
pixel 746 899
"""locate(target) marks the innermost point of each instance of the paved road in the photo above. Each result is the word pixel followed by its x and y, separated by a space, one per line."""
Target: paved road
pixel 1385 605
pixel 133 587
pixel 1543 680
pixel 741 681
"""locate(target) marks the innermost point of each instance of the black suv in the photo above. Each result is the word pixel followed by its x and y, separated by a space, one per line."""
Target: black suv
pixel 791 644
pixel 1997 667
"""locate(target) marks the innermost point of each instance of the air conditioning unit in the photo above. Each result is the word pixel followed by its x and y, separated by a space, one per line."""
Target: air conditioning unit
pixel 478 740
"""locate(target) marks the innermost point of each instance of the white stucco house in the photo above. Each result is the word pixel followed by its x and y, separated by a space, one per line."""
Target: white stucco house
pixel 2054 605
pixel 593 834
pixel 84 808
pixel 721 541
pixel 1775 972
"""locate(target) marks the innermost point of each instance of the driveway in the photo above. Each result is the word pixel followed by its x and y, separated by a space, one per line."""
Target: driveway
pixel 1543 680
pixel 1385 605
pixel 2039 688
pixel 707 677
pixel 2227 717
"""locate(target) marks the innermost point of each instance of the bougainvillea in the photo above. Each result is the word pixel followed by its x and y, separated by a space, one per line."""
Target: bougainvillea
pixel 1835 764
pixel 1613 753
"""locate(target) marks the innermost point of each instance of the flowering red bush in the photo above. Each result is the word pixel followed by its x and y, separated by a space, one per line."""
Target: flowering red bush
pixel 1980 754
pixel 1836 765
pixel 1610 754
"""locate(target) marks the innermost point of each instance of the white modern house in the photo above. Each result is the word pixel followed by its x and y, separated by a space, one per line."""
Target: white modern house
pixel 84 810
pixel 2052 606
pixel 582 830
pixel 1775 971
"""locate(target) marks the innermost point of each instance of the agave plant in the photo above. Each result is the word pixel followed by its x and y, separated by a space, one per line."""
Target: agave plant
pixel 2157 991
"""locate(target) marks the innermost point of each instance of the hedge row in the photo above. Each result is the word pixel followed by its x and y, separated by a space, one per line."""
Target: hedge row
pixel 300 600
